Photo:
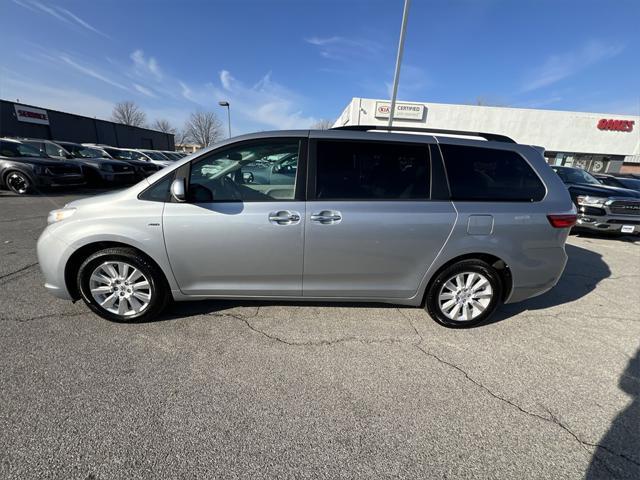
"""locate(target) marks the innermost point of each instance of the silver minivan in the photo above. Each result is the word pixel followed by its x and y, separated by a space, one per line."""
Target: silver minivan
pixel 457 224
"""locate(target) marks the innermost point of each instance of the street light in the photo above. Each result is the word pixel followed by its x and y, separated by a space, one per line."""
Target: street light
pixel 226 104
pixel 396 75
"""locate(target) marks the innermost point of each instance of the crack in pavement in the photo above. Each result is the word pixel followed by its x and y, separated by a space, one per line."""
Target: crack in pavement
pixel 23 269
pixel 555 420
pixel 22 218
pixel 40 317
pixel 318 343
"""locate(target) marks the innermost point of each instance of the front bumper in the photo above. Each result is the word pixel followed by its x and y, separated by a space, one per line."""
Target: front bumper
pixel 604 219
pixel 52 256
pixel 118 177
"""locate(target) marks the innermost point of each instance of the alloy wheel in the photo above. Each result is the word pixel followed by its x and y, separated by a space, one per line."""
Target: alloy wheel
pixel 18 183
pixel 120 288
pixel 465 296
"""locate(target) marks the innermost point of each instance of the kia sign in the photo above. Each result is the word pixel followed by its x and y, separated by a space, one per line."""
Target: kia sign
pixel 616 125
pixel 31 115
pixel 404 111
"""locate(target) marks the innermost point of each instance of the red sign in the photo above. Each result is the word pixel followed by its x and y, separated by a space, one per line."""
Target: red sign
pixel 616 125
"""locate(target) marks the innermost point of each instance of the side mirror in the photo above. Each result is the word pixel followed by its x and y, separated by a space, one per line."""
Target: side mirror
pixel 178 190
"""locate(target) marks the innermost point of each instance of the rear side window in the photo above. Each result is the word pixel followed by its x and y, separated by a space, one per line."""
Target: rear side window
pixel 487 174
pixel 372 171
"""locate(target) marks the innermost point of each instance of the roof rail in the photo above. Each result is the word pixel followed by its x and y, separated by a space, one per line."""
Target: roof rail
pixel 487 136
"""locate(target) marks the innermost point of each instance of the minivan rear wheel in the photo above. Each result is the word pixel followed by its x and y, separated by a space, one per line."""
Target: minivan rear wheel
pixel 121 285
pixel 464 294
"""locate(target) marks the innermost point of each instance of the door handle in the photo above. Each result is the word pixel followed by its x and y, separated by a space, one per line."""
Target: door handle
pixel 326 217
pixel 284 217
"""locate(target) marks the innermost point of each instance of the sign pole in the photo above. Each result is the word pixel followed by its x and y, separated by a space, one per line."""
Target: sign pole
pixel 396 75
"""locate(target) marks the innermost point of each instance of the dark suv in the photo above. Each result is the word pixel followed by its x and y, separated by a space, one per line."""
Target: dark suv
pixel 24 169
pixel 601 207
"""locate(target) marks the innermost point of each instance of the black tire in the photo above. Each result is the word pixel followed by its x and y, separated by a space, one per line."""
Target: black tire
pixel 158 288
pixel 432 302
pixel 18 182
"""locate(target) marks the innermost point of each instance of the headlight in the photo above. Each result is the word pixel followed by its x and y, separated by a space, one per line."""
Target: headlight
pixel 106 167
pixel 61 214
pixel 589 200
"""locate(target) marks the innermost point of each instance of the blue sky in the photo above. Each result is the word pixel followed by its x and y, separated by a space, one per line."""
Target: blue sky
pixel 285 64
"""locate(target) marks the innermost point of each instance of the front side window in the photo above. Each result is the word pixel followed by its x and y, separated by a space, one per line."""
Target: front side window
pixel 262 171
pixel 487 174
pixel 351 170
pixel 55 150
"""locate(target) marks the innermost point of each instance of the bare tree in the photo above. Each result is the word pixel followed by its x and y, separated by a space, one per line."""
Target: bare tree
pixel 323 124
pixel 203 128
pixel 163 125
pixel 181 136
pixel 129 113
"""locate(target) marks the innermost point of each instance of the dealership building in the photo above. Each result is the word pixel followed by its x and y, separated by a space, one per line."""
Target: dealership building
pixel 20 120
pixel 598 142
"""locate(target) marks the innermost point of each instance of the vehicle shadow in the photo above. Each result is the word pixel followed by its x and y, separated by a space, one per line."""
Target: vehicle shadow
pixel 618 451
pixel 584 270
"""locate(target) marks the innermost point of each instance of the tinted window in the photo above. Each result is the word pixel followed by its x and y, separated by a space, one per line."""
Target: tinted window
pixel 55 150
pixel 487 174
pixel 576 175
pixel 263 171
pixel 372 171
pixel 15 149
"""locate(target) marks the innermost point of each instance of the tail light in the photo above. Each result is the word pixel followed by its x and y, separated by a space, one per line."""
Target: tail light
pixel 562 221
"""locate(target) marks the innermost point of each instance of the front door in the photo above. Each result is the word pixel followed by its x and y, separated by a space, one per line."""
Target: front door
pixel 373 228
pixel 239 234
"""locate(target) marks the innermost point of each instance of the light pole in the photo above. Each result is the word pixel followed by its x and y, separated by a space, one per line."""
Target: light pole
pixel 396 75
pixel 224 103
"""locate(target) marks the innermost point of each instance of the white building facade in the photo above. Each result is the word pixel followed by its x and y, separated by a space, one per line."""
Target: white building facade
pixel 598 142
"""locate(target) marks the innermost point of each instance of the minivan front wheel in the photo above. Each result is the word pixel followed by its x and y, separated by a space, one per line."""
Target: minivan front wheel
pixel 464 294
pixel 121 285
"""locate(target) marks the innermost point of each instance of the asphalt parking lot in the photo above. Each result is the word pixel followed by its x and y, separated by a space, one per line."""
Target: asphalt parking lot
pixel 262 390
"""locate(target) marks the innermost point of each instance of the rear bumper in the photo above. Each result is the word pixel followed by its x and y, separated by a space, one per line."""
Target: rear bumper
pixel 538 273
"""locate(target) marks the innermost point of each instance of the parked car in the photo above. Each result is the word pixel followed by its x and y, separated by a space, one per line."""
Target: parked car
pixel 24 169
pixel 620 182
pixel 172 155
pixel 97 171
pixel 457 224
pixel 601 207
pixel 134 154
pixel 141 169
pixel 156 156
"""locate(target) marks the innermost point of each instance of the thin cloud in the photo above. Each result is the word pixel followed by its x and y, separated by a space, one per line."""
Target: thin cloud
pixel 82 23
pixel 144 90
pixel 59 13
pixel 145 66
pixel 266 103
pixel 343 48
pixel 50 11
pixel 560 66
pixel 90 72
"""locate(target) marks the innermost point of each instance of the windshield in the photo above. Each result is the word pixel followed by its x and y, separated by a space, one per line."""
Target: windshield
pixel 630 183
pixel 155 155
pixel 121 154
pixel 87 152
pixel 15 149
pixel 576 175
